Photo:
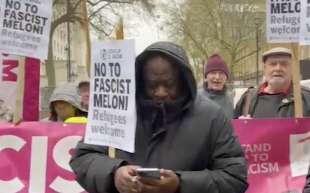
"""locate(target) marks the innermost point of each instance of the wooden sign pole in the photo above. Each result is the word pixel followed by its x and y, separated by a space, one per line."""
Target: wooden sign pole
pixel 119 36
pixel 18 113
pixel 296 81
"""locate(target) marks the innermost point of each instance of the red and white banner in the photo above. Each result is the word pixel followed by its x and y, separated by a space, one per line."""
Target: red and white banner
pixel 34 156
pixel 8 87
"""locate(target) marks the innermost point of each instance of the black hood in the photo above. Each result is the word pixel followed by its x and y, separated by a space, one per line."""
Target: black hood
pixel 177 54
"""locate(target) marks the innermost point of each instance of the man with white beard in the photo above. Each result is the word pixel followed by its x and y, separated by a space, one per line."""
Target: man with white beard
pixel 274 98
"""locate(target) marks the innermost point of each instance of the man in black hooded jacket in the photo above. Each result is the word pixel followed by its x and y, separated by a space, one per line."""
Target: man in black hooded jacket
pixel 185 134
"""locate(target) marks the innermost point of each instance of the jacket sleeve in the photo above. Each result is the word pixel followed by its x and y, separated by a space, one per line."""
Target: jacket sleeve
pixel 227 171
pixel 239 106
pixel 247 95
pixel 94 170
pixel 306 101
pixel 307 186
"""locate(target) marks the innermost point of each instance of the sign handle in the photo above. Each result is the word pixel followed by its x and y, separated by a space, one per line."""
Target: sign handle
pixel 119 32
pixel 18 113
pixel 296 81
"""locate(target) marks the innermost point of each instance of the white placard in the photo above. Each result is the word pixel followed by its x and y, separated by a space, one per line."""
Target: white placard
pixel 112 109
pixel 283 21
pixel 25 27
pixel 299 154
pixel 305 23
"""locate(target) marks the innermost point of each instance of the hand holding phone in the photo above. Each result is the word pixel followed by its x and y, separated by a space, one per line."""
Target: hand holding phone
pixel 153 173
pixel 157 180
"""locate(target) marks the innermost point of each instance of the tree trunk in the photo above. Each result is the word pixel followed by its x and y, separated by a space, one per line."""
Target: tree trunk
pixel 49 66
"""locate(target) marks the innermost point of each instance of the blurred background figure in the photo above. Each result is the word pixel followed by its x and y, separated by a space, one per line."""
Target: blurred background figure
pixel 216 74
pixel 5 113
pixel 64 103
pixel 83 89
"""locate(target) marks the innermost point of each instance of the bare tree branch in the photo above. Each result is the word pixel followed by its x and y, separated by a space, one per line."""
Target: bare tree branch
pixel 223 26
pixel 98 29
pixel 56 2
pixel 98 10
pixel 110 1
pixel 78 3
pixel 245 56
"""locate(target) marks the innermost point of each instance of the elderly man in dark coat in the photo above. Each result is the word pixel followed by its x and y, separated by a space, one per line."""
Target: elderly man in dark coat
pixel 274 98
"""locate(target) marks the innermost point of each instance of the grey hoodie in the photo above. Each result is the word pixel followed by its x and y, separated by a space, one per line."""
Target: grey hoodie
pixel 69 94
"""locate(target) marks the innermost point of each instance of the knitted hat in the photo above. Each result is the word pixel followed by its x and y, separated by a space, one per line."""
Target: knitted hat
pixel 216 62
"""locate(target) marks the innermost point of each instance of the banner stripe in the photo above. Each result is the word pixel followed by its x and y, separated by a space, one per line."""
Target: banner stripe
pixel 31 90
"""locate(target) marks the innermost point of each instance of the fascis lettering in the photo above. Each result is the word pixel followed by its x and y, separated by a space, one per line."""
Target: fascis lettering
pixel 38 156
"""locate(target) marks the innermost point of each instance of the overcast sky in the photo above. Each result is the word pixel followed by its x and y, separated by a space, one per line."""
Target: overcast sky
pixel 140 26
pixel 144 28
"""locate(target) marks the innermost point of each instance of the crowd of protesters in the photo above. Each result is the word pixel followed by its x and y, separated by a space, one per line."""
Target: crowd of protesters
pixel 187 132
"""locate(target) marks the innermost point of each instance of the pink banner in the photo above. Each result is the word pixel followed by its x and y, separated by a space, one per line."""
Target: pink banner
pixel 8 87
pixel 34 156
pixel 31 90
pixel 278 153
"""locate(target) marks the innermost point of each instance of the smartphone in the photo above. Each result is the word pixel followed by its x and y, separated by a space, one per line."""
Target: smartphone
pixel 153 173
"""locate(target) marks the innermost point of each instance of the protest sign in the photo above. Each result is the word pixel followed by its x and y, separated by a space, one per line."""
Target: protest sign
pixel 8 85
pixel 283 26
pixel 305 23
pixel 25 27
pixel 283 21
pixel 112 109
pixel 277 152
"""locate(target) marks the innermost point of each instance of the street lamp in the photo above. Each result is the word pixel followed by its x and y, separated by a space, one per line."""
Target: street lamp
pixel 257 22
pixel 69 44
